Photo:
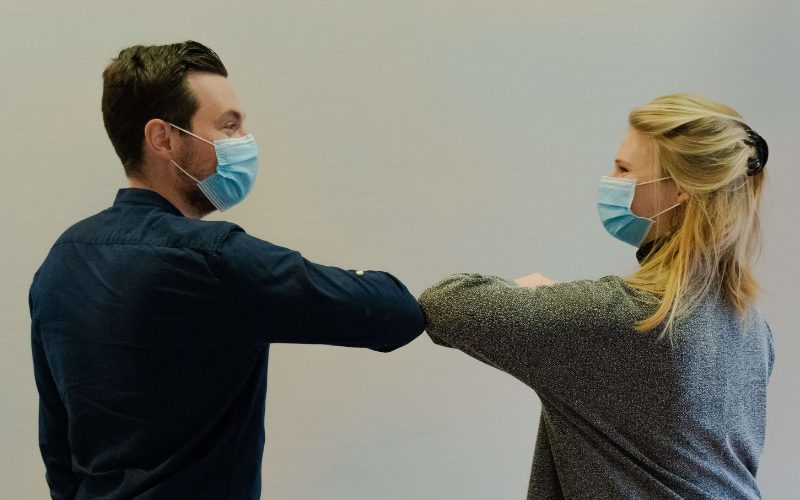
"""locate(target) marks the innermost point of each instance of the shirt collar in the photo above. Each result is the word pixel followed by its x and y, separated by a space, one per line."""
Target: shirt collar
pixel 136 196
pixel 650 248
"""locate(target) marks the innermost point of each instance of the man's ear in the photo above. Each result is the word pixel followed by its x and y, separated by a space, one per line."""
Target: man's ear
pixel 158 139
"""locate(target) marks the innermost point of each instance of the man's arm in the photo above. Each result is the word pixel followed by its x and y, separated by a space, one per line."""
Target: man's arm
pixel 286 298
pixel 53 438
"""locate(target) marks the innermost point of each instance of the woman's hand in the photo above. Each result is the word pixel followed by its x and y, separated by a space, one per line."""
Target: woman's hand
pixel 534 280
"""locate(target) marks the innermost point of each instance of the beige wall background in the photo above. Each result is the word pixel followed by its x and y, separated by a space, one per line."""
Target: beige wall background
pixel 418 137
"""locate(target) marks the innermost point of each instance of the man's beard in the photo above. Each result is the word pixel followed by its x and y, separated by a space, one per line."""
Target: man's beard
pixel 199 202
pixel 191 192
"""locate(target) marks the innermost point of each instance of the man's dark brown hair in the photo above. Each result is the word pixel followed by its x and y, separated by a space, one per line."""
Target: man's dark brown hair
pixel 146 82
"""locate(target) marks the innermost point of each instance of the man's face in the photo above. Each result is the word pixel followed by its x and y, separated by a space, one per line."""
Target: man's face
pixel 219 116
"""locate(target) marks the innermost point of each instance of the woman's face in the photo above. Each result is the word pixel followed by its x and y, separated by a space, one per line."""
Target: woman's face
pixel 635 160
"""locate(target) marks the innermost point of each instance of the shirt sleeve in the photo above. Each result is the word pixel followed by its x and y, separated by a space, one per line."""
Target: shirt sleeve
pixel 53 436
pixel 540 335
pixel 276 295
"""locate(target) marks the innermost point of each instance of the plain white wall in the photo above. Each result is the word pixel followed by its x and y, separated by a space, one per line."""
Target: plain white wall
pixel 422 138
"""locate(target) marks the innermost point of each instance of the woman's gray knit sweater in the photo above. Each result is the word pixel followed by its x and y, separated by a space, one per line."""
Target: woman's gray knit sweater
pixel 624 414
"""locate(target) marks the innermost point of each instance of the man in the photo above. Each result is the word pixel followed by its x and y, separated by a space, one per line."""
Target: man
pixel 151 327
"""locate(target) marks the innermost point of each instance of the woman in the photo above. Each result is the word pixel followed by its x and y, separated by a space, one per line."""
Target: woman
pixel 652 385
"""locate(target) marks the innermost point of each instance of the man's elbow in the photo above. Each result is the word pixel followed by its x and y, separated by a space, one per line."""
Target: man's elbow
pixel 402 328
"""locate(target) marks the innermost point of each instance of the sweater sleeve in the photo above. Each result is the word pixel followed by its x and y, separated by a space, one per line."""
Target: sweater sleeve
pixel 539 335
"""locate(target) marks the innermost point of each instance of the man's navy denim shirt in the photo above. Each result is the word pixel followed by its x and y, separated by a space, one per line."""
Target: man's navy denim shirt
pixel 150 335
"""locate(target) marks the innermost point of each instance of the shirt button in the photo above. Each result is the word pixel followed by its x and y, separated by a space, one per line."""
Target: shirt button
pixel 359 273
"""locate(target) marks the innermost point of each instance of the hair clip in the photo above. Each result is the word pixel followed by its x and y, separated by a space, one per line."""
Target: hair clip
pixel 756 164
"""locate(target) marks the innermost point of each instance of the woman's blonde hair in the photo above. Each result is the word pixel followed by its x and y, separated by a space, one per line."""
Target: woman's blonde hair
pixel 704 147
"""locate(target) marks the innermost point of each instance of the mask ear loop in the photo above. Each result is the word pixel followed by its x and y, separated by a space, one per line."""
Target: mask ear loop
pixel 193 135
pixel 654 180
pixel 184 171
pixel 664 211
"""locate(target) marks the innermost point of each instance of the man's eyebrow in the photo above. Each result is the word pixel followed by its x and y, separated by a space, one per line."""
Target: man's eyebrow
pixel 230 115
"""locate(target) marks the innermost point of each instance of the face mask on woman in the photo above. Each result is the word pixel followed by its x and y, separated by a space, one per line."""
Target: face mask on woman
pixel 614 200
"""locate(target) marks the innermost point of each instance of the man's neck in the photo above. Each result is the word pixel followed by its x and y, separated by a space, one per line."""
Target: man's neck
pixel 172 197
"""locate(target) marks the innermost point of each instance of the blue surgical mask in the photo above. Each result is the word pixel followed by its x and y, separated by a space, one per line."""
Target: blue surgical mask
pixel 614 206
pixel 237 164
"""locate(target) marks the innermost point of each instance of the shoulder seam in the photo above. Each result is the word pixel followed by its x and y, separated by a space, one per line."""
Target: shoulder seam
pixel 223 235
